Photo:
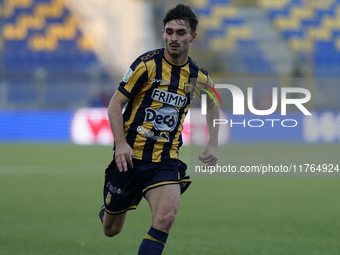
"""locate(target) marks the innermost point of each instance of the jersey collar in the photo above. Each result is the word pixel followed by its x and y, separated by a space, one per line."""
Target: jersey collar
pixel 169 62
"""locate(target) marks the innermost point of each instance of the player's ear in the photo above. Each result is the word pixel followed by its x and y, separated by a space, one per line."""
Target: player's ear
pixel 163 34
pixel 193 37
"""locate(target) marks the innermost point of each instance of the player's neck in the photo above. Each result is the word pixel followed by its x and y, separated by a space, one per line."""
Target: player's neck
pixel 176 61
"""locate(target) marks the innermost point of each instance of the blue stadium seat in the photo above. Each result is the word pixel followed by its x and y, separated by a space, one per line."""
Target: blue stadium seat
pixel 36 2
pixel 308 23
pixel 273 14
pixel 20 56
pixel 233 37
pixel 321 31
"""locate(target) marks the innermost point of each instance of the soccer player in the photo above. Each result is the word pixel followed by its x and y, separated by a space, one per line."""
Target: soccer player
pixel 147 136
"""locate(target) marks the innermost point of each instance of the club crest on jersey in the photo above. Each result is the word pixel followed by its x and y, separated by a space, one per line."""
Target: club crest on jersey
pixel 169 98
pixel 163 119
pixel 108 198
pixel 187 88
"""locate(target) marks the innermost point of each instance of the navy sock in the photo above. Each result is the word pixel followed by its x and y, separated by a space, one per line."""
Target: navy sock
pixel 153 242
pixel 101 212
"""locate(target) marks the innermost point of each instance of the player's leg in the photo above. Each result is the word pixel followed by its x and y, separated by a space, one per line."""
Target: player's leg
pixel 121 193
pixel 164 203
pixel 113 224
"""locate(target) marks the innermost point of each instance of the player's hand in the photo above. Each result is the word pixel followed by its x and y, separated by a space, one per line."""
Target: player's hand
pixel 209 155
pixel 123 157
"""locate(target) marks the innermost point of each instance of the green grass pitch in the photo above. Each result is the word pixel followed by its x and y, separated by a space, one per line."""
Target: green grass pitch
pixel 51 194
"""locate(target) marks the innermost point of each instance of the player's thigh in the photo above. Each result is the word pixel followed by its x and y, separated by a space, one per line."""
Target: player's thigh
pixel 164 199
pixel 115 222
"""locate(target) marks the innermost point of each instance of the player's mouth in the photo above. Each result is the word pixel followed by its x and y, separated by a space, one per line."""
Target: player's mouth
pixel 174 46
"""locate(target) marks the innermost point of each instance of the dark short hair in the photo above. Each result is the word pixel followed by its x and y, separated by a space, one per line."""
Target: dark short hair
pixel 183 12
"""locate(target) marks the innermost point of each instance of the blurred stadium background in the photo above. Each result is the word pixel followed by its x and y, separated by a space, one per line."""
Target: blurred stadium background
pixel 63 55
pixel 60 63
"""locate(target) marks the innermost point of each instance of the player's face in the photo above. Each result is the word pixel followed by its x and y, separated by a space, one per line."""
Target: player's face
pixel 178 38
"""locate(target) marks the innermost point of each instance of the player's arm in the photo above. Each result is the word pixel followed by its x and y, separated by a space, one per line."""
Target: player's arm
pixel 209 154
pixel 123 151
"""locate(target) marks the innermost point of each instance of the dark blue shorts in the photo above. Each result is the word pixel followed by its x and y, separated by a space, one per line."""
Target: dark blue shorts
pixel 124 190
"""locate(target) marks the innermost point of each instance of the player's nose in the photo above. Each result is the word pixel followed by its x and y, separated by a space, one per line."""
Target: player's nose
pixel 174 37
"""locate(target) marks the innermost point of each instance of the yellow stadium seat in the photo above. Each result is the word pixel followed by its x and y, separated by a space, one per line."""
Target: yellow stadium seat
pixel 46 10
pixel 10 5
pixel 283 23
pixel 331 23
pixel 337 13
pixel 224 11
pixel 214 21
pixel 7 11
pixel 1 43
pixel 67 31
pixel 301 45
pixel 319 4
pixel 18 31
pixel 41 43
pixel 231 35
pixel 12 32
pixel 31 22
pixel 210 23
pixel 273 4
pixel 198 3
pixel 302 13
pixel 222 44
pixel 84 44
pixel 319 34
pixel 239 33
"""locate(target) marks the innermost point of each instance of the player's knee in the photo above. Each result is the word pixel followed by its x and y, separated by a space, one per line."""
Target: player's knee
pixel 164 221
pixel 111 232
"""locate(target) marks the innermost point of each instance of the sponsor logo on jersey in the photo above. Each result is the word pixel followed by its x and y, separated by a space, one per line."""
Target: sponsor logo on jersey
pixel 163 119
pixel 150 134
pixel 127 75
pixel 150 55
pixel 160 81
pixel 169 98
pixel 165 136
pixel 114 190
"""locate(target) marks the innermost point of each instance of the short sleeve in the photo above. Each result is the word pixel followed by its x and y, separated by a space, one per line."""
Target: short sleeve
pixel 205 85
pixel 133 79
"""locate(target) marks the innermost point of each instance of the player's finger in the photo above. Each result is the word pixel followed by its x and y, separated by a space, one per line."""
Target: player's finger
pixel 129 159
pixel 119 164
pixel 205 158
pixel 206 161
pixel 213 162
pixel 209 159
pixel 124 164
pixel 202 159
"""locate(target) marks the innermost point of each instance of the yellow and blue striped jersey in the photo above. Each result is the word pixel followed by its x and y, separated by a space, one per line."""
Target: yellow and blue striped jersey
pixel 159 97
